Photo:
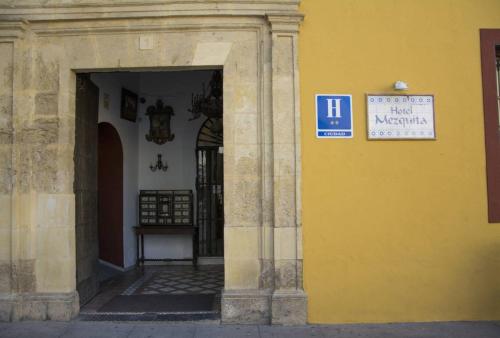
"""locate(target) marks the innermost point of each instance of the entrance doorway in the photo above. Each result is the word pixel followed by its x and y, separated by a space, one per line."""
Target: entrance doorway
pixel 256 44
pixel 159 136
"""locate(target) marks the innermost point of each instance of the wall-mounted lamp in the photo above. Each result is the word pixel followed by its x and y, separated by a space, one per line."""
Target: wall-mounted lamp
pixel 400 85
pixel 159 165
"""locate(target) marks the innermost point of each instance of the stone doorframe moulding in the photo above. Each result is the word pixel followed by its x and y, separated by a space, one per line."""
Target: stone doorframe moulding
pixel 41 50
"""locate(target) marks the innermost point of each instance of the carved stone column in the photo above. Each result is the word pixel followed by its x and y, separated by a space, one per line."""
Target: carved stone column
pixel 289 302
pixel 10 32
pixel 30 159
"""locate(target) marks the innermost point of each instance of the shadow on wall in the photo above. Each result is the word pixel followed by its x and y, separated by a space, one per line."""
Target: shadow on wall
pixel 484 281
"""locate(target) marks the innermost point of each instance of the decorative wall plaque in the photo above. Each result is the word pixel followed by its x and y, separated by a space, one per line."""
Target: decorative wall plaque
pixel 128 109
pixel 159 123
pixel 400 117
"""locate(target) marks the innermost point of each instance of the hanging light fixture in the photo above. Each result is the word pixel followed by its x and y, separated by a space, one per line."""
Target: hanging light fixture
pixel 159 165
pixel 209 105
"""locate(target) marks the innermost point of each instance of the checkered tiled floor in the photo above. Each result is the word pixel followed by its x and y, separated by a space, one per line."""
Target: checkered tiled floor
pixel 179 281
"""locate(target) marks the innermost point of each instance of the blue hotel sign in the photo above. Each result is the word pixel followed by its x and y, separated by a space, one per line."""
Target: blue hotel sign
pixel 334 116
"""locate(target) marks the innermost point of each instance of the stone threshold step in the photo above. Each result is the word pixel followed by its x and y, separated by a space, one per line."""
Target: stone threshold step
pixel 150 316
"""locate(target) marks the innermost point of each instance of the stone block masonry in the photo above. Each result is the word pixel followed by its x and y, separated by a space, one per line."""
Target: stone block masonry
pixel 42 48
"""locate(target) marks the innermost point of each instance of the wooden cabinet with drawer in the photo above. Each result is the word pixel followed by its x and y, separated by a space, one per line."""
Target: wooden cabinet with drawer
pixel 165 207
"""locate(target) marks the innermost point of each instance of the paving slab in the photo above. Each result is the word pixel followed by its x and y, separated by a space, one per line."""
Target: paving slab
pixel 33 329
pixel 214 330
pixel 291 331
pixel 97 330
pixel 157 330
pixel 414 330
pixel 226 331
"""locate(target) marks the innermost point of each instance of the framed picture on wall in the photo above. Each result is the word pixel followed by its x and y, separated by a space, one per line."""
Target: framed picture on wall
pixel 129 105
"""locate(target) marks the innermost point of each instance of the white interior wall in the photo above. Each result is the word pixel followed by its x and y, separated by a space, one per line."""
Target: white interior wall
pixel 175 89
pixel 111 84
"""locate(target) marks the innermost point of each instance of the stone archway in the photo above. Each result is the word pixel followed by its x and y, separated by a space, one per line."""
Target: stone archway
pixel 43 48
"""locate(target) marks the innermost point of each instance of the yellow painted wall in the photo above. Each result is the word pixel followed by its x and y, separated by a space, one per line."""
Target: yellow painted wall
pixel 398 230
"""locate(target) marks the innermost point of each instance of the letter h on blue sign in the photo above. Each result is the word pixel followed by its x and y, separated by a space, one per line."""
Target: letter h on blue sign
pixel 334 116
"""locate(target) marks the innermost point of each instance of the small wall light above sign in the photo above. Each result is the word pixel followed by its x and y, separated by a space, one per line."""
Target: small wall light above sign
pixel 400 85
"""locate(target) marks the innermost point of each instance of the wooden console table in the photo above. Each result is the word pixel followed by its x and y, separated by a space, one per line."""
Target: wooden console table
pixel 140 231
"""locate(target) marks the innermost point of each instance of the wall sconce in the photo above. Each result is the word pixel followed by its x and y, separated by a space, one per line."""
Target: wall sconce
pixel 400 85
pixel 159 165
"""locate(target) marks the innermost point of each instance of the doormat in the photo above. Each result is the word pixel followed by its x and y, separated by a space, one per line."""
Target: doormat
pixel 160 303
pixel 179 281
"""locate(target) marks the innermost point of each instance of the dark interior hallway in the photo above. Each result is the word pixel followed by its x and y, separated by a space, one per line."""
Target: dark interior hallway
pixel 175 292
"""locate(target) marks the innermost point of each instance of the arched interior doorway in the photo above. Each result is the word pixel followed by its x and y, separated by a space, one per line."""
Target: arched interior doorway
pixel 210 188
pixel 110 195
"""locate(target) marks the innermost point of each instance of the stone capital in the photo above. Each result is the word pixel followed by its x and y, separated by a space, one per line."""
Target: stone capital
pixel 285 23
pixel 12 30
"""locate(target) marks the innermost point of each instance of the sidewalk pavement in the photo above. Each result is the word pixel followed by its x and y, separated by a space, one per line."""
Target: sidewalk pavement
pixel 207 330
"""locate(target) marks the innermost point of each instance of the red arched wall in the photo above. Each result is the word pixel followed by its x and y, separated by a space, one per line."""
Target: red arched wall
pixel 110 195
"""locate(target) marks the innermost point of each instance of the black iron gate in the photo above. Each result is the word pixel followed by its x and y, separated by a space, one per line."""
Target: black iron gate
pixel 210 201
pixel 210 188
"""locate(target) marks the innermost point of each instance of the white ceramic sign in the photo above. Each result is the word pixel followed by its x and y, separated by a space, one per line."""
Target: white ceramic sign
pixel 400 117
